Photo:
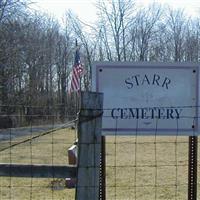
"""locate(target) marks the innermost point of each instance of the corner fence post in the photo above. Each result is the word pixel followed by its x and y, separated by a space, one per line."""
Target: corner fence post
pixel 89 146
pixel 192 168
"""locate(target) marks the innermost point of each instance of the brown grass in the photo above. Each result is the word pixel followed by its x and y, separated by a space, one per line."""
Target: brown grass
pixel 48 149
pixel 146 168
pixel 141 168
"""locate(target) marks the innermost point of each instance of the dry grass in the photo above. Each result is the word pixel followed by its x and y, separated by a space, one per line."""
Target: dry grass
pixel 142 168
pixel 147 168
pixel 48 149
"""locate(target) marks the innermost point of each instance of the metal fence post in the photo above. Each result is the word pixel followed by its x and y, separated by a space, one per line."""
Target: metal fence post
pixel 192 168
pixel 102 192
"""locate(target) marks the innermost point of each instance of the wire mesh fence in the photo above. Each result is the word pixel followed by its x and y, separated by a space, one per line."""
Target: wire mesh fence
pixel 147 167
pixel 36 137
pixel 140 167
pixel 137 167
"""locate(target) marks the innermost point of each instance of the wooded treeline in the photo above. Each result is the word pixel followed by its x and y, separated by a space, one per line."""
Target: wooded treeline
pixel 37 53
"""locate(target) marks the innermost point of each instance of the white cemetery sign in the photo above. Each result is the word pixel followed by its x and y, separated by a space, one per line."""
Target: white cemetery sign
pixel 148 98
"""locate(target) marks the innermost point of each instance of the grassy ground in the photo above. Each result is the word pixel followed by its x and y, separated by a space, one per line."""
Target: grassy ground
pixel 147 168
pixel 48 149
pixel 141 168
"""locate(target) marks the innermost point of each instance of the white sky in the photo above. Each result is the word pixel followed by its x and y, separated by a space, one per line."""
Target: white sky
pixel 85 9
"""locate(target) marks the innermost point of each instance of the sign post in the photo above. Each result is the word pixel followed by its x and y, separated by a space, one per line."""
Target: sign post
pixel 192 168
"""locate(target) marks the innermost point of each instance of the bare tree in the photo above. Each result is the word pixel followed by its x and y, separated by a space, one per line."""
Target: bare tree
pixel 8 8
pixel 116 17
pixel 191 43
pixel 176 27
pixel 144 31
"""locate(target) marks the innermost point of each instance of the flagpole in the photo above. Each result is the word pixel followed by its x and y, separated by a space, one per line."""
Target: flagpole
pixel 77 72
pixel 77 93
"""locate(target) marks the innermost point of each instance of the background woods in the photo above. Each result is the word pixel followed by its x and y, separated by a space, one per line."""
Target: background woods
pixel 37 52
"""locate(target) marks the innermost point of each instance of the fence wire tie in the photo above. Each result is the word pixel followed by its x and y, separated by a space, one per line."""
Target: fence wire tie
pixel 88 118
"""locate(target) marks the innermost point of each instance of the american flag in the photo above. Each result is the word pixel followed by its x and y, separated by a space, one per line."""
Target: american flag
pixel 77 72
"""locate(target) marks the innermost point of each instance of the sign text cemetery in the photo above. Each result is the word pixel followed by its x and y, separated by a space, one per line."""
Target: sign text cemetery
pixel 148 98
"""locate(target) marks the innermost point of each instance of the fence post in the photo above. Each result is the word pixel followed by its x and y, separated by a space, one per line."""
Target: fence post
pixel 89 146
pixel 102 188
pixel 192 168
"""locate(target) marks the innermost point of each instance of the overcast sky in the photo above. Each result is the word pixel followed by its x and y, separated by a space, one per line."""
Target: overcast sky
pixel 85 9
